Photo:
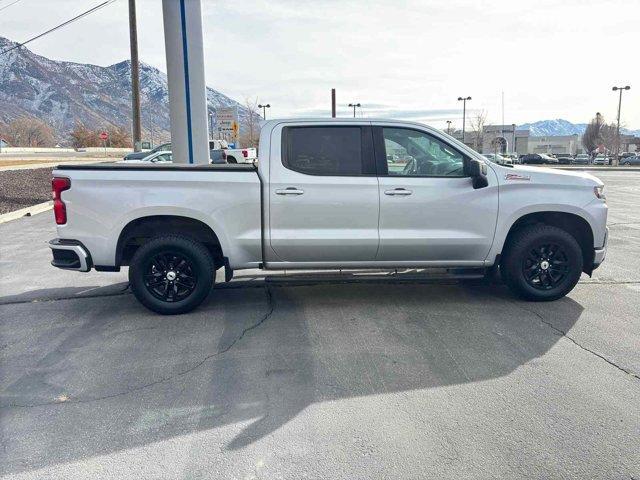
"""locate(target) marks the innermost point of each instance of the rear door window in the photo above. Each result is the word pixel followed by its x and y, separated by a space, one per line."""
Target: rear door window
pixel 327 151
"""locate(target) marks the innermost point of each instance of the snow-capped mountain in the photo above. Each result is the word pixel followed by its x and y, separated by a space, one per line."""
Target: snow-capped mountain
pixel 546 128
pixel 62 93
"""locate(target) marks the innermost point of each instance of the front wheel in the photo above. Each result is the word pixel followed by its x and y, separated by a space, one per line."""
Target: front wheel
pixel 171 274
pixel 542 263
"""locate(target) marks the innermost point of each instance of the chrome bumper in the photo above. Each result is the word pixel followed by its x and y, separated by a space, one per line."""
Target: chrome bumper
pixel 70 255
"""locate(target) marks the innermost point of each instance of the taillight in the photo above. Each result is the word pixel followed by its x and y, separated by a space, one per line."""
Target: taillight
pixel 245 153
pixel 59 185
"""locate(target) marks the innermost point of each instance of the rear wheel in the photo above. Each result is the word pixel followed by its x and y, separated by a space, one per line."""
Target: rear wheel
pixel 171 274
pixel 542 263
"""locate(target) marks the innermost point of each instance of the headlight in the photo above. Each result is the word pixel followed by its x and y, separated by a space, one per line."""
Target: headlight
pixel 599 192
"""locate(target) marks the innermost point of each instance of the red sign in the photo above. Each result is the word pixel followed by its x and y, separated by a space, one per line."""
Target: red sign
pixel 104 135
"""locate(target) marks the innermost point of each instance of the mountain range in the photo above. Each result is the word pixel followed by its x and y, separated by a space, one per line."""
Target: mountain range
pixel 63 93
pixel 546 128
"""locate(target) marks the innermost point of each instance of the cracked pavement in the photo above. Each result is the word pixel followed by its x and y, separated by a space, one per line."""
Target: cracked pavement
pixel 294 377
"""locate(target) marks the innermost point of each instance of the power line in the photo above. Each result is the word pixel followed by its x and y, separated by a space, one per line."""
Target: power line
pixel 8 5
pixel 78 17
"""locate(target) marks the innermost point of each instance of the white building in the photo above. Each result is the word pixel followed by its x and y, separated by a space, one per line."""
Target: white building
pixel 504 139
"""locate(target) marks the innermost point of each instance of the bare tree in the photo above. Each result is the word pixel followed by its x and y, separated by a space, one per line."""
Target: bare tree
pixel 609 137
pixel 598 133
pixel 28 132
pixel 250 137
pixel 82 137
pixel 119 137
pixel 477 123
pixel 592 136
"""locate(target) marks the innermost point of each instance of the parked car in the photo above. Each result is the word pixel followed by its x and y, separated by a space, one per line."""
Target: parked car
pixel 582 159
pixel 156 157
pixel 323 197
pixel 627 154
pixel 538 158
pixel 634 160
pixel 512 156
pixel 564 158
pixel 601 160
pixel 499 159
pixel 165 147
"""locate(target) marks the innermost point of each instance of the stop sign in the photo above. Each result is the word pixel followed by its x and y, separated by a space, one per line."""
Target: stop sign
pixel 104 135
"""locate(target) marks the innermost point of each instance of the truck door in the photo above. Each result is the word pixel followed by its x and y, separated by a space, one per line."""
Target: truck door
pixel 323 194
pixel 429 210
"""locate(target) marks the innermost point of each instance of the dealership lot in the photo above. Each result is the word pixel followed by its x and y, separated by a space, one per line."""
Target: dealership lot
pixel 374 377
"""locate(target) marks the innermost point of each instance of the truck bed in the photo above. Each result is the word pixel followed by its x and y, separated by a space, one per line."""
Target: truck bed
pixel 104 198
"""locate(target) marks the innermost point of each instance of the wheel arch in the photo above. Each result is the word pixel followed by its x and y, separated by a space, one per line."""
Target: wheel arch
pixel 141 229
pixel 572 223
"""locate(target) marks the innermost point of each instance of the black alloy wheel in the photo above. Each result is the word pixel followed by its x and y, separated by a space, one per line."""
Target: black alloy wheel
pixel 546 266
pixel 170 276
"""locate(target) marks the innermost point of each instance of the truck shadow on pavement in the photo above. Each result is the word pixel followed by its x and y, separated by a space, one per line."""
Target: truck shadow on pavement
pixel 90 376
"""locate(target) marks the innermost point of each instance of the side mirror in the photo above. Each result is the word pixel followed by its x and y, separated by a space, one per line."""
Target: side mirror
pixel 477 170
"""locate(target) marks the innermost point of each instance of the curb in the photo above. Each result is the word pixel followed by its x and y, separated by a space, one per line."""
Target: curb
pixel 26 212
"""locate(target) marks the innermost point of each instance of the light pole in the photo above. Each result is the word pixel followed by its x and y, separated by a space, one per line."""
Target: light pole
pixel 264 110
pixel 464 114
pixel 354 105
pixel 448 127
pixel 618 127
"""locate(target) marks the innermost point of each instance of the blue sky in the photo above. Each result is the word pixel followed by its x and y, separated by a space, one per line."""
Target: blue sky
pixel 402 59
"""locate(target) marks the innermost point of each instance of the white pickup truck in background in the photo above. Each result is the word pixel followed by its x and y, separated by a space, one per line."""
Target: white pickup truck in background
pixel 329 194
pixel 219 152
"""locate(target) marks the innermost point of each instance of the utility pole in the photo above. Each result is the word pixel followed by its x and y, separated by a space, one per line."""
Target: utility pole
pixel 210 125
pixel 354 105
pixel 448 127
pixel 617 159
pixel 464 114
pixel 135 77
pixel 333 103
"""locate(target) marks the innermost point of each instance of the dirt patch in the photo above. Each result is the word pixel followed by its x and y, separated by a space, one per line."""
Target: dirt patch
pixel 23 188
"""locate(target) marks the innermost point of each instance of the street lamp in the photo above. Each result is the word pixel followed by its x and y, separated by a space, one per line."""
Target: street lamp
pixel 354 105
pixel 618 127
pixel 464 114
pixel 448 127
pixel 264 110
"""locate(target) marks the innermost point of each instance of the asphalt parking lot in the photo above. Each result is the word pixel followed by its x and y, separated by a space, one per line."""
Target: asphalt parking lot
pixel 383 377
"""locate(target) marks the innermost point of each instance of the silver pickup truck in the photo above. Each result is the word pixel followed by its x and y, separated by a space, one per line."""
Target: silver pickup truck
pixel 330 193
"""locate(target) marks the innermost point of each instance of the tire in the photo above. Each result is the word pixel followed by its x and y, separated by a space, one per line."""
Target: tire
pixel 542 263
pixel 171 274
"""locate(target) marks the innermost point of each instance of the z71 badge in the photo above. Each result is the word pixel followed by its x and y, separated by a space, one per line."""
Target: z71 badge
pixel 515 176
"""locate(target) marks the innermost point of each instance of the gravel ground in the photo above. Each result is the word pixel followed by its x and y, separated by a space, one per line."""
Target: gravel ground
pixel 23 188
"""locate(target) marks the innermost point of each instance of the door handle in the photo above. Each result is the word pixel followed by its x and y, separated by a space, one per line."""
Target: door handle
pixel 289 191
pixel 398 191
